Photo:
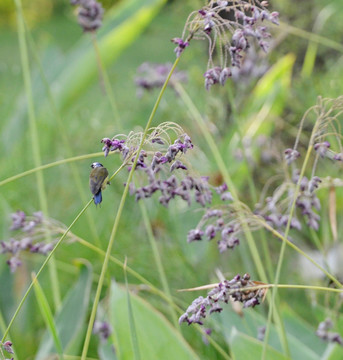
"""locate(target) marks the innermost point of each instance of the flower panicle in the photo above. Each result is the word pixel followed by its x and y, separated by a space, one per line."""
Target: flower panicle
pixel 326 335
pixel 232 35
pixel 236 289
pixel 7 346
pixel 28 232
pixel 90 14
pixel 151 76
pixel 103 329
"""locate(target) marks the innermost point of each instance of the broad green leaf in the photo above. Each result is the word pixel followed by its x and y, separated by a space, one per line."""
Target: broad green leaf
pixel 71 317
pixel 301 330
pixel 333 352
pixel 71 75
pixel 300 346
pixel 106 351
pixel 47 315
pixel 157 338
pixel 246 347
pixel 267 101
pixel 123 25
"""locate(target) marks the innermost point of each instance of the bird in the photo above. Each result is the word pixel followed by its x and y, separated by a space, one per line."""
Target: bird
pixel 97 181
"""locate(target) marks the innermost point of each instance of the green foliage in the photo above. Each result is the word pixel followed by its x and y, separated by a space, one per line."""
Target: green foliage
pixel 69 319
pixel 157 338
pixel 82 91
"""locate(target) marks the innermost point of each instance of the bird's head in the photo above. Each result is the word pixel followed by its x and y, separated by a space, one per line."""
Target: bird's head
pixel 96 165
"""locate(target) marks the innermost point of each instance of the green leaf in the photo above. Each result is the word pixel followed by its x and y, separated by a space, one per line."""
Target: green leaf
pixel 123 26
pixel 246 347
pixel 72 75
pixel 266 103
pixel 157 338
pixel 106 351
pixel 300 339
pixel 47 315
pixel 70 318
pixel 302 331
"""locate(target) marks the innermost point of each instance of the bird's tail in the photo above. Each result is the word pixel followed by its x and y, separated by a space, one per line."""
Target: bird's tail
pixel 97 198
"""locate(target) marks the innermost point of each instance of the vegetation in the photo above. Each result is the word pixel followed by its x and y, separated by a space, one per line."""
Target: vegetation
pixel 220 126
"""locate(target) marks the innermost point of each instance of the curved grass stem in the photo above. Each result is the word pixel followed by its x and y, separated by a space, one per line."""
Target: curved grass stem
pixel 43 201
pixel 118 217
pixel 48 258
pixel 106 82
pixel 46 261
pixel 48 166
pixel 222 167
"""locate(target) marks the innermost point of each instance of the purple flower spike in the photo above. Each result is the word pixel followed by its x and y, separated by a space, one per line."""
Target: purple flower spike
pixel 291 155
pixel 8 347
pixel 194 235
pixel 338 157
pixel 224 75
pixel 222 294
pixel 181 46
pixel 212 77
pixel 103 329
pixel 90 14
pixel 322 148
pixel 18 220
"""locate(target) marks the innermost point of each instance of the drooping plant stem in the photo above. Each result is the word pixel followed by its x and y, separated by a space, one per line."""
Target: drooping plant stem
pixel 285 237
pixel 106 82
pixel 46 261
pixel 223 168
pixel 158 261
pixel 118 217
pixel 35 142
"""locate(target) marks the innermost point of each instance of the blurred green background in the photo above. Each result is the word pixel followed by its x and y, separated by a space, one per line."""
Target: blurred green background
pixel 305 62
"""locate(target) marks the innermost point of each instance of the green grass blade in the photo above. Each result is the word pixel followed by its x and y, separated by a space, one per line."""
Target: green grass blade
pixel 157 338
pixel 133 331
pixel 71 317
pixel 47 315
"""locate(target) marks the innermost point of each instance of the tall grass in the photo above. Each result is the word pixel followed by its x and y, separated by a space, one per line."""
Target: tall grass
pixel 267 207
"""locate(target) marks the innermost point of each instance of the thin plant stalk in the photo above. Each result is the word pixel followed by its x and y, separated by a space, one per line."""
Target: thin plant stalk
pixel 315 38
pixel 220 162
pixel 106 82
pixel 153 289
pixel 268 286
pixel 158 261
pixel 66 142
pixel 118 217
pixel 283 246
pixel 251 183
pixel 35 141
pixel 46 261
pixel 293 246
pixel 39 168
pixel 133 331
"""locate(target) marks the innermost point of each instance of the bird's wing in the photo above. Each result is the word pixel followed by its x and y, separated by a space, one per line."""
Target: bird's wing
pixel 96 179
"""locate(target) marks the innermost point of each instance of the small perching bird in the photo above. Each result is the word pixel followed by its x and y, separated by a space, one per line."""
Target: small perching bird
pixel 97 181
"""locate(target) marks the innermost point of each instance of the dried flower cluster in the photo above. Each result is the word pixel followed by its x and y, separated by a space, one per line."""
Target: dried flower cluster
pixel 236 289
pixel 326 335
pixel 277 205
pixel 230 36
pixel 159 165
pixel 103 329
pixel 29 234
pixel 90 14
pixel 151 76
pixel 326 115
pixel 218 221
pixel 7 346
